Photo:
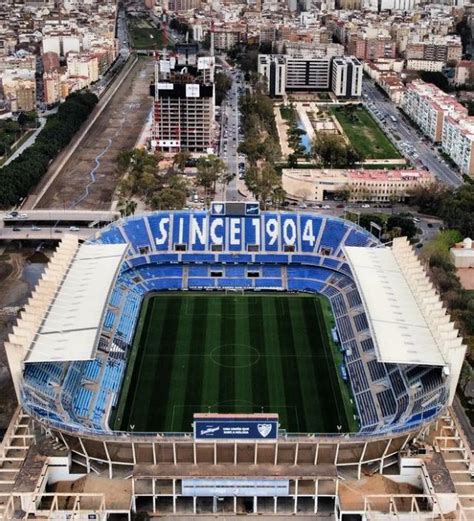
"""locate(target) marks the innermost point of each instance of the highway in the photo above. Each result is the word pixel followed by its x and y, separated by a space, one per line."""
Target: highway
pixel 229 141
pixel 408 134
pixel 46 233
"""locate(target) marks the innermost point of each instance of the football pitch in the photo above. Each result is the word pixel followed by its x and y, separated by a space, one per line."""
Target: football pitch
pixel 233 353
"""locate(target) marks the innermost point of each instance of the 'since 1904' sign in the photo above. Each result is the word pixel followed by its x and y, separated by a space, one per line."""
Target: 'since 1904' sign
pixel 236 429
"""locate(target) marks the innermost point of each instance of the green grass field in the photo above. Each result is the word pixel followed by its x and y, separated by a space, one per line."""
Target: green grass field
pixel 233 353
pixel 364 133
pixel 144 35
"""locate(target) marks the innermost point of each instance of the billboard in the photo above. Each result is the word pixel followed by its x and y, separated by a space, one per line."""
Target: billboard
pixel 192 90
pixel 236 429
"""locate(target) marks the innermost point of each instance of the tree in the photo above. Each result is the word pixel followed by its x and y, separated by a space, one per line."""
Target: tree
pixel 127 207
pixel 169 198
pixel 401 225
pixel 180 160
pixel 437 78
pixel 223 84
pixel 264 183
pixel 429 198
pixel 333 152
pixel 209 171
pixel 342 194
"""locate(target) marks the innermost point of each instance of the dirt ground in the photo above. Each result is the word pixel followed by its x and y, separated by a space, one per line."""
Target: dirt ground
pixel 88 179
pixel 19 272
pixel 352 493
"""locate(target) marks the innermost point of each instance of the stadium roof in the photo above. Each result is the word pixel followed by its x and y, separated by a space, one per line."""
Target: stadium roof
pixel 401 332
pixel 72 323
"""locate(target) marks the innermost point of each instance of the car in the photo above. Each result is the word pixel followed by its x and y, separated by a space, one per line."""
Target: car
pixel 73 229
pixel 303 206
pixel 430 225
pixel 57 230
pixel 365 205
pixel 419 245
pixel 35 228
pixel 13 214
pixel 16 229
pixel 23 216
pixel 340 206
pixel 326 207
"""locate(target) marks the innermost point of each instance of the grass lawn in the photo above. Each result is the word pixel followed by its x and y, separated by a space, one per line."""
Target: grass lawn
pixel 364 133
pixel 144 35
pixel 230 353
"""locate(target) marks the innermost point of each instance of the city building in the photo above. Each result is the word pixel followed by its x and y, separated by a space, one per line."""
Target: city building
pixel 346 77
pixel 306 70
pixel 458 141
pixel 183 112
pixel 316 185
pixel 444 120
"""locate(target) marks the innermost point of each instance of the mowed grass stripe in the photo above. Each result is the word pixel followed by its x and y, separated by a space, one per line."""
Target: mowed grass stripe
pixel 324 375
pixel 276 401
pixel 304 361
pixel 242 359
pixel 290 369
pixel 158 402
pixel 226 351
pixel 259 380
pixel 196 375
pixel 143 388
pixel 180 372
pixel 210 388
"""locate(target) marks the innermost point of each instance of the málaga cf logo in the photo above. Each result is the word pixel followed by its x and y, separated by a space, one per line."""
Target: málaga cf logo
pixel 264 429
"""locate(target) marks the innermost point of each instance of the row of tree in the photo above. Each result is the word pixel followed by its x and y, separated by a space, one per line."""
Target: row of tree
pixel 261 146
pixel 24 173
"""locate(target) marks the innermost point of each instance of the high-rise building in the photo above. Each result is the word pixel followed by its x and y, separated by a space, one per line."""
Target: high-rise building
pixel 302 71
pixel 183 115
pixel 346 77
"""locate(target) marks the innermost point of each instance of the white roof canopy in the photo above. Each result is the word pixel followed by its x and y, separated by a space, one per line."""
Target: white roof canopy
pixel 402 307
pixel 71 325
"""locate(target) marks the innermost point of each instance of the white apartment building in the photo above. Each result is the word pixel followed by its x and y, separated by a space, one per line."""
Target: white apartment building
pixel 308 71
pixel 346 77
pixel 84 66
pixel 425 65
pixel 458 141
pixel 443 120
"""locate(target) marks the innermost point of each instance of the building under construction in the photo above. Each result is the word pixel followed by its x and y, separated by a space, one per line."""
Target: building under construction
pixel 183 112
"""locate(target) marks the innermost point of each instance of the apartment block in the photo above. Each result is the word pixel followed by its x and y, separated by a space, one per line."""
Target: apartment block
pixel 304 71
pixel 346 77
pixel 458 141
pixel 443 120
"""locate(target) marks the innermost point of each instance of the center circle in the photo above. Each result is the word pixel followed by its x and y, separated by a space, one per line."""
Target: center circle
pixel 235 356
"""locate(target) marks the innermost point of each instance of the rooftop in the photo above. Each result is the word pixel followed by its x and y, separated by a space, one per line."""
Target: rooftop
pixel 401 306
pixel 70 328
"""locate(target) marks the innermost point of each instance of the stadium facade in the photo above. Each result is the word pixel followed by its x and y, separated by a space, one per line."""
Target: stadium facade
pixel 68 353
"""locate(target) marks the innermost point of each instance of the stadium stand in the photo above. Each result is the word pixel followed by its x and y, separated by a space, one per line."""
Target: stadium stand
pixel 79 395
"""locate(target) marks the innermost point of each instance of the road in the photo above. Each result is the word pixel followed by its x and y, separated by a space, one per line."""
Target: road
pixel 229 141
pixel 408 134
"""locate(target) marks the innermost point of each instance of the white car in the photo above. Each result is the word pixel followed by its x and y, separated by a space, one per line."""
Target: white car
pixel 326 207
pixel 73 229
pixel 365 205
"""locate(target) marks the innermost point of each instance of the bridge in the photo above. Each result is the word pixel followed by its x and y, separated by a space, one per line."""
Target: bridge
pixel 37 225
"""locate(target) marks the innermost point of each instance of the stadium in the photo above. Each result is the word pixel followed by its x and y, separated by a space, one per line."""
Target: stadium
pixel 245 341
